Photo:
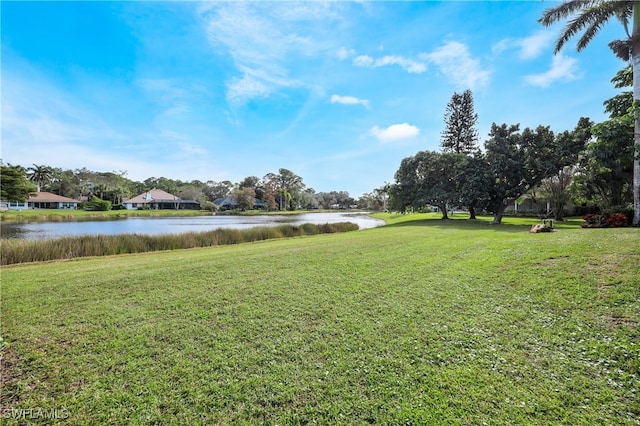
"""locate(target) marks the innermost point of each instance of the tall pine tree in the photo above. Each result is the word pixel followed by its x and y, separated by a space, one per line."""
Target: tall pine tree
pixel 460 134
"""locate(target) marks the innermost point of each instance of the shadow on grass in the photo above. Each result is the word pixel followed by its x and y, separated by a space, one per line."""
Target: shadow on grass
pixel 482 223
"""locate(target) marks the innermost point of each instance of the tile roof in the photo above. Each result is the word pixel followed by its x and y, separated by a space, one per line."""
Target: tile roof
pixel 48 197
pixel 156 195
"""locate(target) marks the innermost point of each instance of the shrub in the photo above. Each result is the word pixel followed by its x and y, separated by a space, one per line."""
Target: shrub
pixel 208 205
pixel 626 210
pixel 617 219
pixel 594 220
pixel 604 220
pixel 97 205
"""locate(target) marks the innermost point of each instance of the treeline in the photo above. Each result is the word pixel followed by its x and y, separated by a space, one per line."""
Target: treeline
pixel 279 191
pixel 590 166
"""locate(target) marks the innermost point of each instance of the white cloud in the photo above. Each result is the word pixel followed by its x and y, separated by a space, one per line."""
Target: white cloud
pixel 266 42
pixel 562 69
pixel 240 89
pixel 344 53
pixel 529 47
pixel 395 132
pixel 349 100
pixel 455 61
pixel 409 65
pixel 363 61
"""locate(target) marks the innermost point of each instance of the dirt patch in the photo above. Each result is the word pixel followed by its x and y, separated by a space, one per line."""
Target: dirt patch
pixel 616 321
pixel 554 260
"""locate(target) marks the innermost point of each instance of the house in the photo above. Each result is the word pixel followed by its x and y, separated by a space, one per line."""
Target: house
pixel 42 200
pixel 157 199
pixel 13 205
pixel 529 206
pixel 229 203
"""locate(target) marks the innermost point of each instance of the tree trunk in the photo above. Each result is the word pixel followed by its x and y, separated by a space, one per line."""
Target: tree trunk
pixel 558 211
pixel 472 212
pixel 497 216
pixel 443 207
pixel 635 59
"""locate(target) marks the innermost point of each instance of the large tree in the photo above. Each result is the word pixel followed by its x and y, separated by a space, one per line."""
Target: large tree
pixel 605 172
pixel 14 185
pixel 243 197
pixel 65 183
pixel 558 190
pixel 40 175
pixel 460 134
pixel 518 162
pixel 473 181
pixel 287 187
pixel 215 190
pixel 254 183
pixel 428 178
pixel 588 17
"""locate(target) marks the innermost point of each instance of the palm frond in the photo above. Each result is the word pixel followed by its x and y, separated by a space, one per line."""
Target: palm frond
pixel 588 16
pixel 621 48
pixel 597 20
pixel 625 16
pixel 563 11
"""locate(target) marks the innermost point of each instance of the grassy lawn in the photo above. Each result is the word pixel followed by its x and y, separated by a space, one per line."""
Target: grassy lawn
pixel 419 322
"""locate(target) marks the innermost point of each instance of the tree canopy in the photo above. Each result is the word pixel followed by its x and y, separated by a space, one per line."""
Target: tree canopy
pixel 588 17
pixel 460 134
pixel 513 163
pixel 15 185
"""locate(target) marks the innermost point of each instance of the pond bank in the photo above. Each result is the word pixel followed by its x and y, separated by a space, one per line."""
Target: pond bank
pixel 23 251
pixel 59 215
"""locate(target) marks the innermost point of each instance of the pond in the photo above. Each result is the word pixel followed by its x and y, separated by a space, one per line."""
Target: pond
pixel 173 225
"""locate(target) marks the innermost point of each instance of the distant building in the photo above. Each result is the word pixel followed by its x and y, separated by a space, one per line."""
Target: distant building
pixel 157 199
pixel 42 200
pixel 229 203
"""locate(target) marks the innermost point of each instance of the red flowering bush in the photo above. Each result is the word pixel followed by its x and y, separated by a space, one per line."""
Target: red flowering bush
pixel 617 219
pixel 605 220
pixel 594 220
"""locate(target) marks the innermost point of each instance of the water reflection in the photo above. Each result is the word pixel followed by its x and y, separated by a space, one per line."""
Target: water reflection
pixel 173 225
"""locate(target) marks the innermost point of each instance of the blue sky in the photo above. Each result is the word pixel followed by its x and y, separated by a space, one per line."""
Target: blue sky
pixel 337 92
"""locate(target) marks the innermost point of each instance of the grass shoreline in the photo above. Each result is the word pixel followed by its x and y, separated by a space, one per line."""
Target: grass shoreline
pixel 418 322
pixel 13 251
pixel 60 215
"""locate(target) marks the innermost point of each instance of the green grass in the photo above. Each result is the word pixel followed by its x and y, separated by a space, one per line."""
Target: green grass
pixel 419 322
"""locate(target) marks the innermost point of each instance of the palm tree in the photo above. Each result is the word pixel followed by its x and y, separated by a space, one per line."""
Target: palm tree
pixel 40 175
pixel 589 16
